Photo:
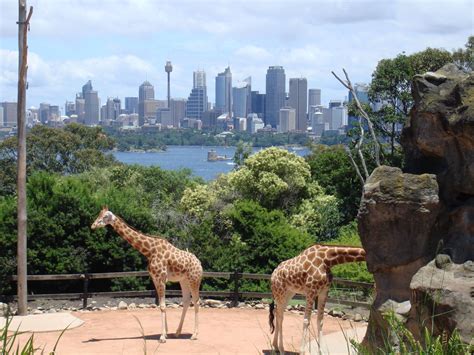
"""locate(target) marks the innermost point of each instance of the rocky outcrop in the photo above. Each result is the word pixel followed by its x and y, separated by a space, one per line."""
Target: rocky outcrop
pixel 442 294
pixel 406 219
pixel 396 221
pixel 439 139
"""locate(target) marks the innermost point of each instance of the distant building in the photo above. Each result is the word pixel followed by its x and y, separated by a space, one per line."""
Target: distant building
pixel 54 113
pixel 69 108
pixel 240 97
pixel 362 92
pixel 314 97
pixel 9 114
pixel 209 118
pixel 224 91
pixel 287 121
pixel 254 123
pixel 44 112
pixel 113 109
pixel 80 108
pixel 339 117
pixel 91 105
pixel 163 117
pixel 257 103
pixel 298 99
pixel 197 100
pixel 197 103
pixel 131 104
pixel 1 115
pixel 146 105
pixel 178 111
pixel 275 94
pixel 199 79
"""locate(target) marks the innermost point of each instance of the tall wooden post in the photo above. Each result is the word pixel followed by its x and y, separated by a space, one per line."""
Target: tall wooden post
pixel 23 24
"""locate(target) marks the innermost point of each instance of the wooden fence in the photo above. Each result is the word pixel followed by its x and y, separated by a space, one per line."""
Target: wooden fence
pixel 235 294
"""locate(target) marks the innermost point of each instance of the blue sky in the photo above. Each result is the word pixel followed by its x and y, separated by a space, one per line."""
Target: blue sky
pixel 119 43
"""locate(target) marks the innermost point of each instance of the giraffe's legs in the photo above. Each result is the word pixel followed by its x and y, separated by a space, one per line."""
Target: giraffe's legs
pixel 160 290
pixel 195 294
pixel 307 318
pixel 280 309
pixel 322 297
pixel 186 301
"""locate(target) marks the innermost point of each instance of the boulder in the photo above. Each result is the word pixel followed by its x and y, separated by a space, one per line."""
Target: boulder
pixel 442 291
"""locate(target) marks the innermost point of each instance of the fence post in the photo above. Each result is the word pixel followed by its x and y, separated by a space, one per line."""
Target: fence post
pixel 85 278
pixel 236 276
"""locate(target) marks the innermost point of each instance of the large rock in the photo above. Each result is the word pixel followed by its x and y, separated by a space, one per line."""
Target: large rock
pixel 396 219
pixel 403 223
pixel 439 139
pixel 443 295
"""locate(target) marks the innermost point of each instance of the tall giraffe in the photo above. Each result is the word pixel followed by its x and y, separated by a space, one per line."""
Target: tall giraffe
pixel 308 274
pixel 165 263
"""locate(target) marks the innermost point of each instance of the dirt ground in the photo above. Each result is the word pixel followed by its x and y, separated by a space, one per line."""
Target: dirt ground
pixel 221 331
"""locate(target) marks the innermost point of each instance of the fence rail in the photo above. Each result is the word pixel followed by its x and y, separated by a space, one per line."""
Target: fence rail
pixel 236 294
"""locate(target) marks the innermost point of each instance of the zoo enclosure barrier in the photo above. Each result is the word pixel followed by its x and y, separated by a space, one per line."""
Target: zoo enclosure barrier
pixel 235 294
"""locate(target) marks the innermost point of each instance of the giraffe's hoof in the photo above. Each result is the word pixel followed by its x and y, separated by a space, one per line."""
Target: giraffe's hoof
pixel 162 339
pixel 194 337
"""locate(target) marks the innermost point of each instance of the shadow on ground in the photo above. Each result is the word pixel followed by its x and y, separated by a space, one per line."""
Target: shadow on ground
pixel 144 337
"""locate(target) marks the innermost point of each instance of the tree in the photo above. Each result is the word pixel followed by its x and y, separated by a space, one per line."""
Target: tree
pixel 465 57
pixel 391 89
pixel 273 177
pixel 332 170
pixel 242 152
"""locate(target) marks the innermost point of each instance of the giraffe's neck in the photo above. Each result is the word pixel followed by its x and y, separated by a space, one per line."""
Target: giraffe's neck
pixel 137 240
pixel 341 254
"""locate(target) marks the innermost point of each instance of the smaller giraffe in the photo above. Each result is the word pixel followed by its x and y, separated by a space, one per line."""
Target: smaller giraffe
pixel 165 263
pixel 309 274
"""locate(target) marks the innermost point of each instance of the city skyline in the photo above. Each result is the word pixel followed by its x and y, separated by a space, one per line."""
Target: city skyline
pixel 67 50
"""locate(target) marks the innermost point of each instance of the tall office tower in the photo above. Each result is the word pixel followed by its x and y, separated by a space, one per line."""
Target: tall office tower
pixel 168 70
pixel 44 112
pixel 224 91
pixel 91 104
pixel 314 97
pixel 339 117
pixel 80 107
pixel 178 111
pixel 275 95
pixel 299 101
pixel 1 115
pixel 69 108
pixel 362 92
pixel 146 94
pixel 257 103
pixel 241 99
pixel 197 103
pixel 131 105
pixel 199 79
pixel 112 110
pixel 54 112
pixel 335 103
pixel 287 120
pixel 9 114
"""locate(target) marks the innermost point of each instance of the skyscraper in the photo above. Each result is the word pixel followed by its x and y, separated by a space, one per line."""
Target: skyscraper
pixel 9 114
pixel 80 107
pixel 146 106
pixel 257 103
pixel 362 92
pixel 299 101
pixel 44 112
pixel 91 105
pixel 178 111
pixel 287 120
pixel 275 94
pixel 314 97
pixel 131 105
pixel 224 91
pixel 199 78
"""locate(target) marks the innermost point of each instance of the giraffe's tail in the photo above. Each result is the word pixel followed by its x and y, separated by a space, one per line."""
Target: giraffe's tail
pixel 271 317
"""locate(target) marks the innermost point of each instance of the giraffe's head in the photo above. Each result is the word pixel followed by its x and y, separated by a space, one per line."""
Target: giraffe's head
pixel 105 217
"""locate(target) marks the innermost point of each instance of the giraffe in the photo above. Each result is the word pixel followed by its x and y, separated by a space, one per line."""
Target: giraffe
pixel 309 274
pixel 165 263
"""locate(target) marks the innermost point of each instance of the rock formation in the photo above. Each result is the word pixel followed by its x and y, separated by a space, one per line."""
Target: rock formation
pixel 406 219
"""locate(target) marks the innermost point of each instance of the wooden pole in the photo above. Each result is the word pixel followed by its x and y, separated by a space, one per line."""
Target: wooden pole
pixel 23 25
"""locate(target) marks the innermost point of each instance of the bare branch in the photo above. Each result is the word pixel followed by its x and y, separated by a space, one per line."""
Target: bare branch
pixel 356 168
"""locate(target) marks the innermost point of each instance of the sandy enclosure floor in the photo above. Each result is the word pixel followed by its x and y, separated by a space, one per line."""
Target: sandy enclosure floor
pixel 222 331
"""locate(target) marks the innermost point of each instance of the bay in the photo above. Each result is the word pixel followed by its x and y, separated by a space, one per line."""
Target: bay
pixel 191 157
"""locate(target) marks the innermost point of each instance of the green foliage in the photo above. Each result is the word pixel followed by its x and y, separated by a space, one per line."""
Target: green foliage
pixel 332 170
pixel 274 177
pixel 352 271
pixel 391 86
pixel 465 57
pixel 71 150
pixel 242 152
